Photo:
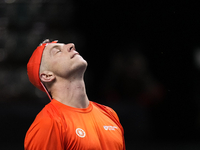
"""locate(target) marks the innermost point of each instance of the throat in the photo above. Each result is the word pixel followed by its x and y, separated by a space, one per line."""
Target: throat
pixel 73 94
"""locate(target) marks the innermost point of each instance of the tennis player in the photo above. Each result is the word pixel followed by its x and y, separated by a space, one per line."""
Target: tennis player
pixel 70 120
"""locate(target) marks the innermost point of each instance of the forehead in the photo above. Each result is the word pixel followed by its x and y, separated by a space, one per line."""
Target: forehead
pixel 50 46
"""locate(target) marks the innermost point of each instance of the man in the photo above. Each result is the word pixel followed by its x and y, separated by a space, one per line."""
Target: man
pixel 70 120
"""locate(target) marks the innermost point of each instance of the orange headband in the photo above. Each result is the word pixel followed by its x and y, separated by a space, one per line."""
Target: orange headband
pixel 33 67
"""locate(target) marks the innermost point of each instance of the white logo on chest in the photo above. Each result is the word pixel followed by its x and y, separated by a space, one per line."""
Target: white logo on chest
pixel 80 132
pixel 110 127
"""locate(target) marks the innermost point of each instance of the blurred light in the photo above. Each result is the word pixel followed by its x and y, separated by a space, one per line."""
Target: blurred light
pixel 9 1
pixel 3 55
pixel 3 22
pixel 10 43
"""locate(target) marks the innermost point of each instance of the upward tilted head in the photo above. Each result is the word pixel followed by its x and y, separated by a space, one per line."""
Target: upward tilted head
pixel 51 61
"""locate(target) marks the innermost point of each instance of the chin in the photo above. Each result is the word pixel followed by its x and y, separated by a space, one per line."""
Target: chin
pixel 82 62
pixel 80 67
pixel 83 65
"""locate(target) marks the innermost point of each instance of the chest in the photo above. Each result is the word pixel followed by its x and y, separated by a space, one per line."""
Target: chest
pixel 92 131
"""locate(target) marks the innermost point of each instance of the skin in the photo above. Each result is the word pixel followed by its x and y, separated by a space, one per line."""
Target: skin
pixel 62 71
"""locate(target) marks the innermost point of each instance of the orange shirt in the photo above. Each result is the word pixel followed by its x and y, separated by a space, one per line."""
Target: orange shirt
pixel 61 127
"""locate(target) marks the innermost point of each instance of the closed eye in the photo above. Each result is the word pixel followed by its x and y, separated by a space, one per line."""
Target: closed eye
pixel 56 49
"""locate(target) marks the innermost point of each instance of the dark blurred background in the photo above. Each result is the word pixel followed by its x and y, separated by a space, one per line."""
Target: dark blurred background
pixel 144 62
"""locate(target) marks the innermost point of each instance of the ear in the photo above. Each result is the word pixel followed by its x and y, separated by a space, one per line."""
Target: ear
pixel 47 76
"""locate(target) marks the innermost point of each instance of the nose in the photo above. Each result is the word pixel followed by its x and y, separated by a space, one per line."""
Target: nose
pixel 70 47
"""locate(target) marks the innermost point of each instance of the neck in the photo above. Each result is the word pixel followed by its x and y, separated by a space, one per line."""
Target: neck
pixel 71 93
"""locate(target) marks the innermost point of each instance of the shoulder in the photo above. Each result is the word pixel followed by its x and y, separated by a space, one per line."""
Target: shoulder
pixel 45 130
pixel 48 112
pixel 48 117
pixel 106 109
